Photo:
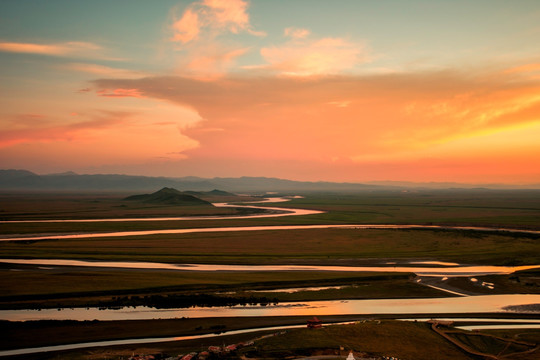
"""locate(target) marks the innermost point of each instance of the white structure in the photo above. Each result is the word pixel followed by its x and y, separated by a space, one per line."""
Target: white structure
pixel 351 356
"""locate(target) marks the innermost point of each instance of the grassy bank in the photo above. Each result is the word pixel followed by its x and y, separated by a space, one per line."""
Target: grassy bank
pixel 75 287
pixel 315 246
pixel 372 336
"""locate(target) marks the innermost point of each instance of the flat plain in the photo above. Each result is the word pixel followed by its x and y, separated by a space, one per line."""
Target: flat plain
pixel 63 286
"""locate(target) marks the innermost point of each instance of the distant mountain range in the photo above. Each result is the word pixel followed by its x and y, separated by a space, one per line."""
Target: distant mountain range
pixel 23 180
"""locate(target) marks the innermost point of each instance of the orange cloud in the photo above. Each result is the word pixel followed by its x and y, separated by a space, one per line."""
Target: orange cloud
pixel 120 93
pixel 62 49
pixel 95 138
pixel 30 128
pixel 361 120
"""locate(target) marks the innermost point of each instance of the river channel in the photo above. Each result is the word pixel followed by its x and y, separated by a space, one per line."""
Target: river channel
pixel 439 271
pixel 489 303
pixel 451 305
pixel 272 212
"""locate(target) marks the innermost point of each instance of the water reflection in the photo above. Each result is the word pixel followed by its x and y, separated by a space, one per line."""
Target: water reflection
pixel 246 228
pixel 471 304
pixel 421 271
pixel 498 326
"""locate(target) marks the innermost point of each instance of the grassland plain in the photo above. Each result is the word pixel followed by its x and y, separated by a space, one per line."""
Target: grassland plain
pixel 43 206
pixel 404 340
pixel 72 288
pixel 512 209
pixel 313 246
pixel 308 246
pixel 369 337
pixel 497 208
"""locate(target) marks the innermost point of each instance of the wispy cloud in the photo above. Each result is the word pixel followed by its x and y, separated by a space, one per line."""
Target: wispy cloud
pixel 296 33
pixel 105 71
pixel 61 49
pixel 120 93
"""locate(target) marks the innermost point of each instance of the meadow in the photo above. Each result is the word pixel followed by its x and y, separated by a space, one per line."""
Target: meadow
pixel 300 247
pixel 370 337
pixel 43 287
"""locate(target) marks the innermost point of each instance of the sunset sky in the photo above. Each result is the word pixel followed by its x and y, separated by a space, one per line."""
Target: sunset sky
pixel 298 89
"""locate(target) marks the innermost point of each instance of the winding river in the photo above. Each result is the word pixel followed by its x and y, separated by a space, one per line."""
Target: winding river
pixel 492 303
pixel 272 212
pixel 465 304
pixel 439 271
pixel 451 305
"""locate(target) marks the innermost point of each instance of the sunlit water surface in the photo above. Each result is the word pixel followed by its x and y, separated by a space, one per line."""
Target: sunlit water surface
pixel 470 304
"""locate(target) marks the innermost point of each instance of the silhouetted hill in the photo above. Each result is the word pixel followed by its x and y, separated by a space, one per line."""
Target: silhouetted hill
pixel 168 196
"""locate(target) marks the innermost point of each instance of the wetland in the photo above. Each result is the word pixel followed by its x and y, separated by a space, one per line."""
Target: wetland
pixel 226 269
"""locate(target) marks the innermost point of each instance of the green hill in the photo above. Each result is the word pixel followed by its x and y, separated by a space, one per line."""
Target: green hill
pixel 169 196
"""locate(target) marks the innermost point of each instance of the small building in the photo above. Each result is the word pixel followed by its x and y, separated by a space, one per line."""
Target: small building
pixel 351 356
pixel 314 323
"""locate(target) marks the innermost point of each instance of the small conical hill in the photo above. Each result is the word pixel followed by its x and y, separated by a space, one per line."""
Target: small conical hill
pixel 169 196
